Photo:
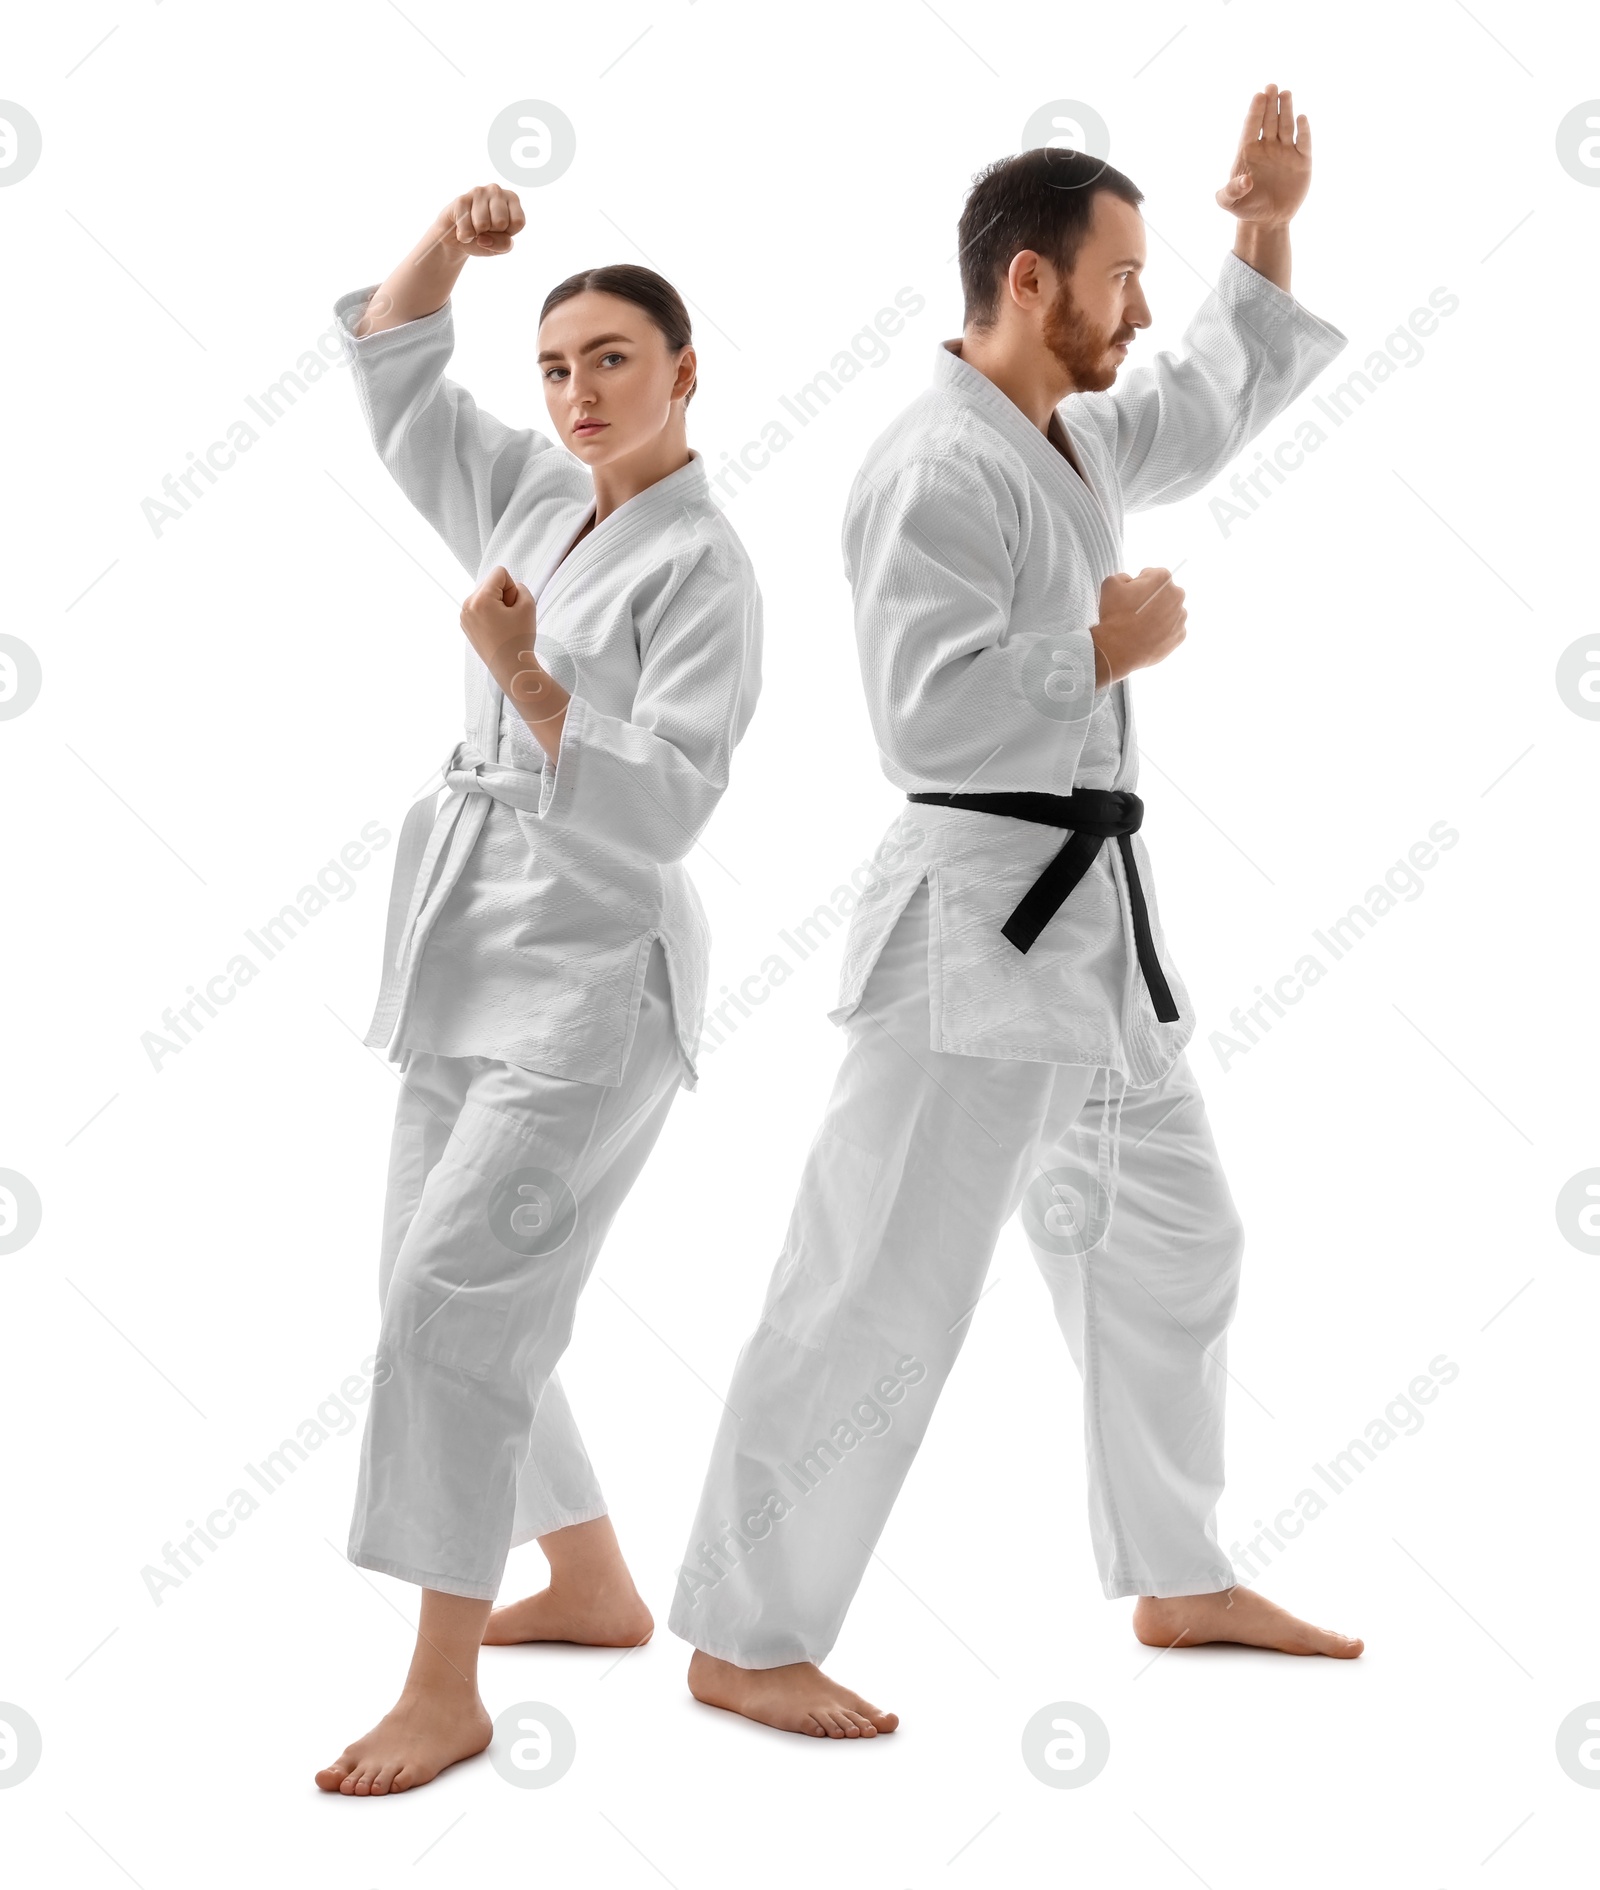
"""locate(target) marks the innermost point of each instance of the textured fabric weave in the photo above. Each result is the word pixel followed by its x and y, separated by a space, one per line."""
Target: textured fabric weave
pixel 976 555
pixel 529 926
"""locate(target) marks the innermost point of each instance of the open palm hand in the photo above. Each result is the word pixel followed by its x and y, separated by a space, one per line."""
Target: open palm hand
pixel 1272 171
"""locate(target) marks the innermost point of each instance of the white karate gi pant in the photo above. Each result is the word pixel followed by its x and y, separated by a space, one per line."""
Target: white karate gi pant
pixel 502 1184
pixel 921 1159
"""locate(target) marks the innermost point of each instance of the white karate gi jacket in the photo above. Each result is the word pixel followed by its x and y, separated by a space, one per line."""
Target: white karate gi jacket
pixel 976 556
pixel 523 910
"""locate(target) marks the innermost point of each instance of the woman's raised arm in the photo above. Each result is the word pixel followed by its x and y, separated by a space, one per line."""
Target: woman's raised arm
pixel 481 222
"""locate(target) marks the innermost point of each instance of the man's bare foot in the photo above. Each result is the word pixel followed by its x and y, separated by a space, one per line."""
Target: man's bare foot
pixel 426 1731
pixel 591 1598
pixel 611 1619
pixel 799 1698
pixel 1234 1614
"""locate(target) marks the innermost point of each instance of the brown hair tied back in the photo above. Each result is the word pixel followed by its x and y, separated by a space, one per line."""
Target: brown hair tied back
pixel 644 289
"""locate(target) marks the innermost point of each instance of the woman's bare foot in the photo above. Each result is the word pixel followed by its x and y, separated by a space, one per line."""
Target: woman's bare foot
pixel 594 1620
pixel 426 1731
pixel 438 1718
pixel 798 1698
pixel 1234 1614
pixel 591 1599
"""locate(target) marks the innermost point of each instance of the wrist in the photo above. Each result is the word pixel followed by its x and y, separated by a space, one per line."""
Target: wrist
pixel 533 689
pixel 1253 235
pixel 439 252
pixel 1264 247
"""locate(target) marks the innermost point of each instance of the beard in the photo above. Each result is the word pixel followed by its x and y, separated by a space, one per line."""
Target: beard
pixel 1081 348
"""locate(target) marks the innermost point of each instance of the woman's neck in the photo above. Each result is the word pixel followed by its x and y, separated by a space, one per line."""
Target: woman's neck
pixel 620 480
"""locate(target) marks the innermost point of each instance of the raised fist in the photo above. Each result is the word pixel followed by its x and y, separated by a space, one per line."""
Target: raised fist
pixel 481 222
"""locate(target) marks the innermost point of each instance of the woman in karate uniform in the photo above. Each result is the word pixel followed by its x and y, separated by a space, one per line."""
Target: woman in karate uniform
pixel 546 953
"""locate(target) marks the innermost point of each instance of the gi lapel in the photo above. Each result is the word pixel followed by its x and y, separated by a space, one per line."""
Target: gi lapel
pixel 1048 465
pixel 687 489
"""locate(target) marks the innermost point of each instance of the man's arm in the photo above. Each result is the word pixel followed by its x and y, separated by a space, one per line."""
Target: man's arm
pixel 959 696
pixel 1170 426
pixel 1268 182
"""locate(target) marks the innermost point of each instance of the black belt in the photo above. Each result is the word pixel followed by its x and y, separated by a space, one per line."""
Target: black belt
pixel 1093 815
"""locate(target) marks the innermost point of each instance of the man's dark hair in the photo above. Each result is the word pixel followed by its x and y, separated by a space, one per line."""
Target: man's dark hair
pixel 1041 200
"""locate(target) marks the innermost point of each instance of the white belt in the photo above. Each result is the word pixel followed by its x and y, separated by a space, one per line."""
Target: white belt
pixel 424 835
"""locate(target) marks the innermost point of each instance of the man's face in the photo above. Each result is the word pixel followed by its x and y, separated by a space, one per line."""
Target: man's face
pixel 1099 306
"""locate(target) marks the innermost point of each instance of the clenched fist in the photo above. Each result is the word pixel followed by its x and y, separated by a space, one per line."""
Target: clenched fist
pixel 481 222
pixel 500 624
pixel 499 619
pixel 1142 619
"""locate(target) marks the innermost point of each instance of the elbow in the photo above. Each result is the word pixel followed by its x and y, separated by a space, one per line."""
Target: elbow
pixel 915 750
pixel 675 848
pixel 665 834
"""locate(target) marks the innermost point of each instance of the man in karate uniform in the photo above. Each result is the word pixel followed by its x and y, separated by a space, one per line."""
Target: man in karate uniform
pixel 1015 1026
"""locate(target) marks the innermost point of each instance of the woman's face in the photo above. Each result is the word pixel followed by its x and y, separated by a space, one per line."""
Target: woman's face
pixel 610 379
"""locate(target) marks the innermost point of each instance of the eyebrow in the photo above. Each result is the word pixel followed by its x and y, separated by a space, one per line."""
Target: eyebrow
pixel 1128 262
pixel 554 354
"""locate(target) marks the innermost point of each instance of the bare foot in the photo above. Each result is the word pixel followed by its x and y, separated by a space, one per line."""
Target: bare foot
pixel 591 1599
pixel 610 1618
pixel 798 1698
pixel 1239 1615
pixel 426 1731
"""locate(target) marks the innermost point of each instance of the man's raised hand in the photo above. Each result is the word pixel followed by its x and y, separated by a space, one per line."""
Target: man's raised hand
pixel 1272 171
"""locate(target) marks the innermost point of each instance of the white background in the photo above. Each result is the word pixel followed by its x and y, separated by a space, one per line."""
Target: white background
pixel 225 705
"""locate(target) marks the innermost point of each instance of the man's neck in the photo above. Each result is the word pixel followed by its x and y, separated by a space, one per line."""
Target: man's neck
pixel 1036 387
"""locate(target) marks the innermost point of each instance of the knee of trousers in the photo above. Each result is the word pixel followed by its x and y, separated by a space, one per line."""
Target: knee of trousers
pixel 1219 1257
pixel 1196 1279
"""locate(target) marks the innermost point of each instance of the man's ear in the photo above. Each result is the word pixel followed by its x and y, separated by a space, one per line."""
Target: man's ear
pixel 1024 278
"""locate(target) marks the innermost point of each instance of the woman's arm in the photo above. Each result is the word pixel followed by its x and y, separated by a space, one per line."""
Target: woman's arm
pixel 501 626
pixel 643 784
pixel 481 222
pixel 457 464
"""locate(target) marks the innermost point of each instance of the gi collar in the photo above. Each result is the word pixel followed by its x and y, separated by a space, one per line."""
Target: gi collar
pixel 959 377
pixel 687 491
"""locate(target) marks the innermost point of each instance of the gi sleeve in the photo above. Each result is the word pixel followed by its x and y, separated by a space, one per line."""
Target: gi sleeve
pixel 456 464
pixel 1174 423
pixel 646 783
pixel 931 550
